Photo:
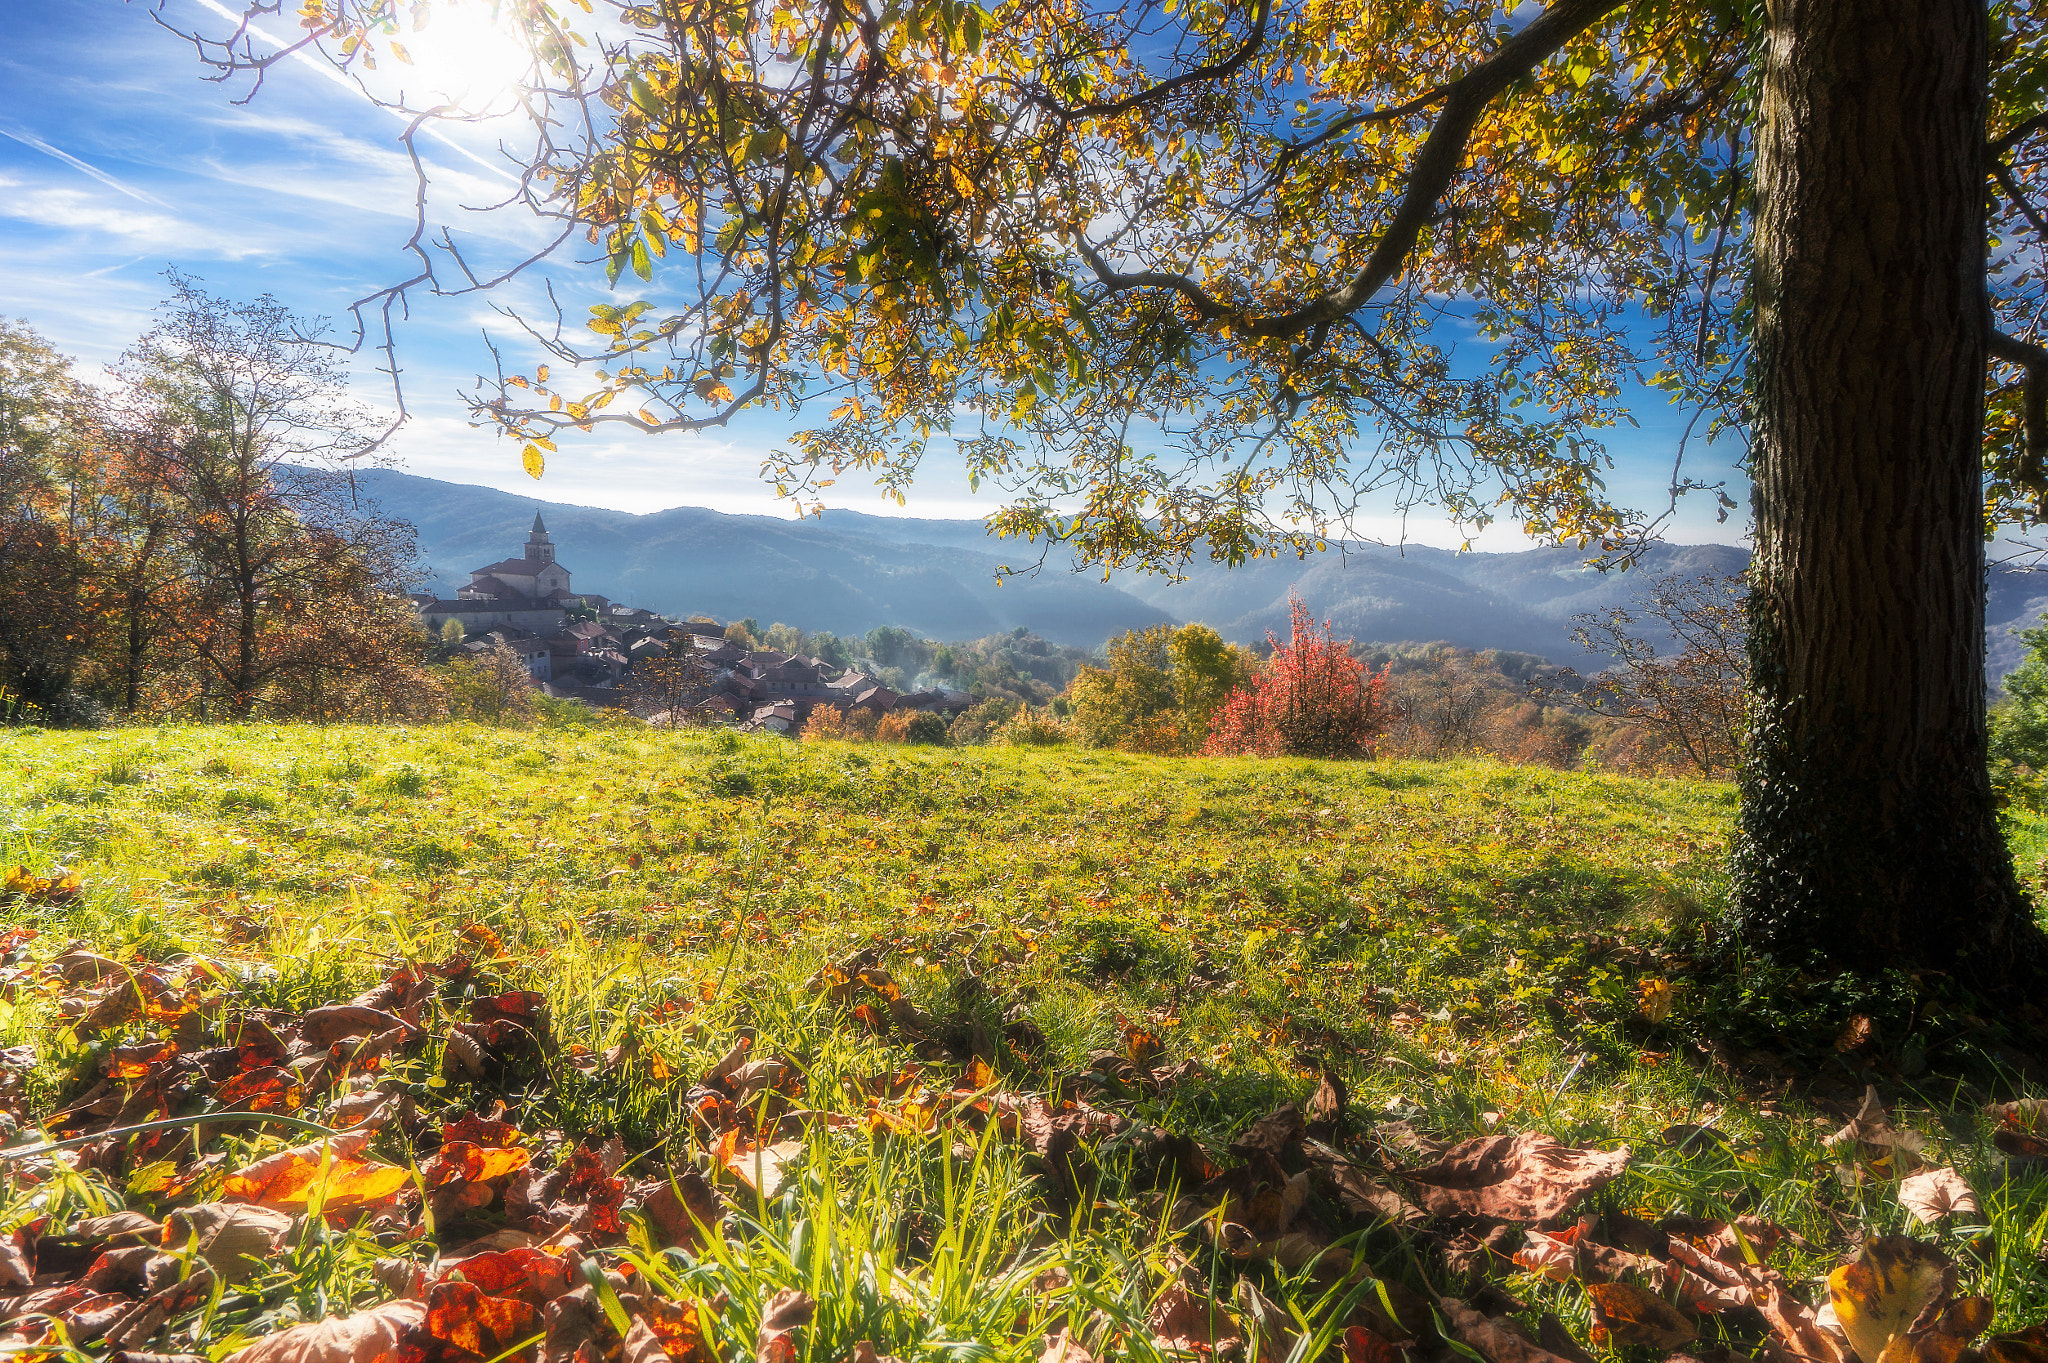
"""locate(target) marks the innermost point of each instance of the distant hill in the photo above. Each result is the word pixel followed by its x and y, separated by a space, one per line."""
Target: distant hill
pixel 849 572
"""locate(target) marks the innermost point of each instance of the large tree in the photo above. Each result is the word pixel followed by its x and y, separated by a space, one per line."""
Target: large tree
pixel 1183 276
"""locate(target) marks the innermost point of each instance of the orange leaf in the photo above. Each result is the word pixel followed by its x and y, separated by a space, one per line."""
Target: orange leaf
pixel 460 1315
pixel 292 1178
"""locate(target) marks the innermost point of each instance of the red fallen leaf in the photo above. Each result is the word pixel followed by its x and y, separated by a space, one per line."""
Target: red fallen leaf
pixel 532 1275
pixel 1528 1177
pixel 588 1186
pixel 473 1163
pixel 259 1045
pixel 269 1089
pixel 1363 1346
pixel 678 1329
pixel 786 1312
pixel 290 1177
pixel 372 1336
pixel 522 1006
pixel 481 1131
pixel 1628 1314
pixel 462 1316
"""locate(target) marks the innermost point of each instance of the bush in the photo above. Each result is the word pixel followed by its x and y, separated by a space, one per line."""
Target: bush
pixel 826 724
pixel 1313 699
pixel 926 728
pixel 893 727
pixel 1034 729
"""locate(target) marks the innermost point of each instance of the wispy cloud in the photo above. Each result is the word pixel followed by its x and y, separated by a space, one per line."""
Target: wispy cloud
pixel 327 72
pixel 37 143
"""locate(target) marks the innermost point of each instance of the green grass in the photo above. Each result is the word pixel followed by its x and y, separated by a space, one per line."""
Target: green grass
pixel 1466 944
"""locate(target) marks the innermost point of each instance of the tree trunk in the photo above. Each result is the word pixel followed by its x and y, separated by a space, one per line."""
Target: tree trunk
pixel 1869 836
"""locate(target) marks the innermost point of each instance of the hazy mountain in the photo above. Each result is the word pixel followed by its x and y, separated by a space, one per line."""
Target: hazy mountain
pixel 849 572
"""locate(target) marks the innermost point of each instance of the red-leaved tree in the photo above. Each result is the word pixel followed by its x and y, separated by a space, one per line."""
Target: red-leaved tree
pixel 1313 699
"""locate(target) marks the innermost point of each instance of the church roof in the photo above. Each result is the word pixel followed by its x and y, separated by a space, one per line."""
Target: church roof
pixel 538 528
pixel 522 567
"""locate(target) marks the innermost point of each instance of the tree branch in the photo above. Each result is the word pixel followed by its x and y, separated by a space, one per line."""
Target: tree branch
pixel 2033 358
pixel 1435 166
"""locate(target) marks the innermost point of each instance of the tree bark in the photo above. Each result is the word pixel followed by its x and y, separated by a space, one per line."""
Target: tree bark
pixel 1869 834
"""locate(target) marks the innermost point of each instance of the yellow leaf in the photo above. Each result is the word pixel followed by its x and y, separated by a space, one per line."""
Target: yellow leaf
pixel 1886 1288
pixel 533 461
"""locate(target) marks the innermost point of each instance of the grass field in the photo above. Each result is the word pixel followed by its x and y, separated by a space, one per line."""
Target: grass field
pixel 1469 947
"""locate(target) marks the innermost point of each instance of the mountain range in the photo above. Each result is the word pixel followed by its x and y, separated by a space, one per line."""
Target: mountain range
pixel 849 572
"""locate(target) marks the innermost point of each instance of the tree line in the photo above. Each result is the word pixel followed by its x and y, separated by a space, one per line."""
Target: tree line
pixel 183 539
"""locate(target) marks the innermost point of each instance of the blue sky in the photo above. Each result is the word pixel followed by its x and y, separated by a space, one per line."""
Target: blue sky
pixel 118 160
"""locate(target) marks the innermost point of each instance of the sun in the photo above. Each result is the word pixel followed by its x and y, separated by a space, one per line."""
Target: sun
pixel 460 52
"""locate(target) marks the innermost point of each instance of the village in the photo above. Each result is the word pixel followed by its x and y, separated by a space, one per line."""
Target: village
pixel 583 646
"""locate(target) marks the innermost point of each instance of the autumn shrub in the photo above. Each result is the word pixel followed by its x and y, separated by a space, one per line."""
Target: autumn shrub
pixel 893 727
pixel 860 726
pixel 1311 699
pixel 826 724
pixel 1034 729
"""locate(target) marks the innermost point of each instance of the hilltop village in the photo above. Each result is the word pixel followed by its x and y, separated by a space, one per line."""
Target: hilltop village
pixel 584 646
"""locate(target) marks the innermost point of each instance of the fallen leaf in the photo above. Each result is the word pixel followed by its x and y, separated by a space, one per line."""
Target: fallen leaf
pixel 1527 1177
pixel 1871 1128
pixel 1061 1348
pixel 1934 1195
pixel 1494 1339
pixel 1628 1314
pixel 323 1027
pixel 463 1316
pixel 1889 1286
pixel 371 1336
pixel 2026 1346
pixel 235 1240
pixel 532 1275
pixel 291 1178
pixel 763 1167
pixel 1181 1320
pixel 785 1313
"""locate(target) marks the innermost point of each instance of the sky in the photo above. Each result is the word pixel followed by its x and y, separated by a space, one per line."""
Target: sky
pixel 119 160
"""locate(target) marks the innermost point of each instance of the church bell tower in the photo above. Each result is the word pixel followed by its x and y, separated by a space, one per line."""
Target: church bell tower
pixel 539 548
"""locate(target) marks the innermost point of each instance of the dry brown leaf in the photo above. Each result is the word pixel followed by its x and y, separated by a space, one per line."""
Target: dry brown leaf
pixel 2026 1346
pixel 1061 1348
pixel 1872 1130
pixel 1181 1320
pixel 1527 1177
pixel 1934 1195
pixel 235 1239
pixel 765 1167
pixel 371 1336
pixel 1633 1315
pixel 786 1312
pixel 1497 1340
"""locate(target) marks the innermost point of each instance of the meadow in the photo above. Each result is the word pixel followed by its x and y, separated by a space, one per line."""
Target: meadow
pixel 1129 949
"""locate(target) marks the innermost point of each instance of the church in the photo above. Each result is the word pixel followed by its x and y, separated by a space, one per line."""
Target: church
pixel 529 592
